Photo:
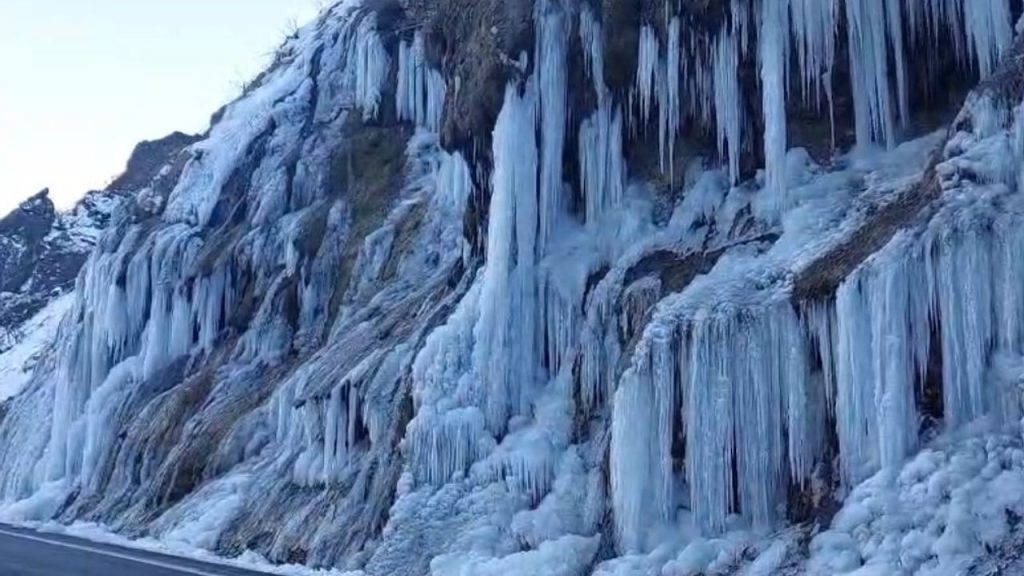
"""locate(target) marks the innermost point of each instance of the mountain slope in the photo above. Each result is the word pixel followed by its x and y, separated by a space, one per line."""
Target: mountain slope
pixel 513 287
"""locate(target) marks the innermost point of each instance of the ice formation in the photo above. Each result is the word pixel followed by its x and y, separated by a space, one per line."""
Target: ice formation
pixel 421 89
pixel 331 359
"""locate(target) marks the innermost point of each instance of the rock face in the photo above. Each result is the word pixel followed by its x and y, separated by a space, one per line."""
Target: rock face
pixel 555 287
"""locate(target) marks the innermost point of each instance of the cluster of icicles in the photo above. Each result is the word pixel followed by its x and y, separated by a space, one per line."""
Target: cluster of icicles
pixel 139 309
pixel 696 76
pixel 146 298
pixel 752 390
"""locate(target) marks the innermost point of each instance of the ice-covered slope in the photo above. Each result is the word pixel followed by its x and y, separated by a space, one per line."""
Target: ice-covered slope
pixel 497 287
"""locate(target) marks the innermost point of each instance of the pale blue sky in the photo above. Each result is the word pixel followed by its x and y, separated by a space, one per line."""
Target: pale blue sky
pixel 81 81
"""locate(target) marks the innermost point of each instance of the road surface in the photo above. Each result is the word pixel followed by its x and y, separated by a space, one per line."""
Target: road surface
pixel 28 553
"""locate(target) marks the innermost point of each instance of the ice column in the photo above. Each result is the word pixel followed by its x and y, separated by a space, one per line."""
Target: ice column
pixel 507 343
pixel 727 103
pixel 553 88
pixel 774 47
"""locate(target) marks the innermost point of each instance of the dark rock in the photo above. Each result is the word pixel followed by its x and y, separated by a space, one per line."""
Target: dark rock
pixel 149 158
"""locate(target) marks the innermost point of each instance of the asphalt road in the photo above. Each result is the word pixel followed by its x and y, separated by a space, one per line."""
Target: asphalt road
pixel 28 553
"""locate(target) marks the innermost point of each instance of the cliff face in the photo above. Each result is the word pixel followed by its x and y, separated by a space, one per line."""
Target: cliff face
pixel 554 287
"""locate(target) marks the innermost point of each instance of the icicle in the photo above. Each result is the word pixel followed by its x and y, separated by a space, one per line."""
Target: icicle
pixel 820 322
pixel 633 458
pixel 869 70
pixel 602 164
pixel 506 333
pixel 669 99
pixel 894 17
pixel 750 414
pixel 881 327
pixel 421 91
pixel 814 25
pixel 593 52
pixel 455 181
pixel 646 72
pixel 600 349
pixel 774 48
pixel 601 159
pixel 552 86
pixel 728 102
pixel 740 13
pixel 963 282
pixel 989 29
pixel 709 425
pixel 368 67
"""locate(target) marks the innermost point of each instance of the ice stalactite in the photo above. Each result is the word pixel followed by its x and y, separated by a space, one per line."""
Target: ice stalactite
pixel 659 81
pixel 602 165
pixel 369 68
pixel 455 182
pixel 132 310
pixel 814 35
pixel 590 32
pixel 989 30
pixel 728 103
pixel 754 369
pixel 959 282
pixel 980 32
pixel 774 53
pixel 552 86
pixel 717 370
pixel 601 159
pixel 633 460
pixel 958 278
pixel 883 336
pixel 894 17
pixel 420 95
pixel 647 64
pixel 869 72
pixel 671 106
pixel 600 353
pixel 507 349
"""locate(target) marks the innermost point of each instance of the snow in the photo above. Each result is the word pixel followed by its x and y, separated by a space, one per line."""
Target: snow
pixel 566 556
pixel 101 534
pixel 17 363
pixel 942 512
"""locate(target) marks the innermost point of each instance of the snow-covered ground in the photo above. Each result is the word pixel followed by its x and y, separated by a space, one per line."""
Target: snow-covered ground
pixel 103 535
pixel 950 507
pixel 17 363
